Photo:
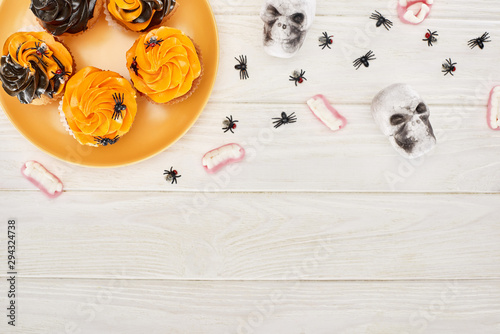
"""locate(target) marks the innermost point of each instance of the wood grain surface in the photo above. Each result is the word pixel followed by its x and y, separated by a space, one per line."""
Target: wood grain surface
pixel 314 232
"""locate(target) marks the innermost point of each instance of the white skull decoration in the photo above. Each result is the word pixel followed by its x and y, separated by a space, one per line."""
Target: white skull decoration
pixel 286 23
pixel 403 116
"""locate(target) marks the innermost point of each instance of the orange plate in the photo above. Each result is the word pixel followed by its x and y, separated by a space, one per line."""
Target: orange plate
pixel 156 127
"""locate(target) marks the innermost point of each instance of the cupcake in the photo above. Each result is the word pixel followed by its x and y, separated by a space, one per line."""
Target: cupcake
pixel 99 106
pixel 165 65
pixel 34 67
pixel 141 15
pixel 66 17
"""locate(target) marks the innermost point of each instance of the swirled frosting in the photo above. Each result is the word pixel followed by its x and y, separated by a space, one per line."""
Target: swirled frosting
pixel 63 16
pixel 33 64
pixel 163 64
pixel 100 106
pixel 140 15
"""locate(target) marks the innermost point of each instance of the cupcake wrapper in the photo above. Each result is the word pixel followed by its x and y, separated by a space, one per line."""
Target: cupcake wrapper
pixel 64 121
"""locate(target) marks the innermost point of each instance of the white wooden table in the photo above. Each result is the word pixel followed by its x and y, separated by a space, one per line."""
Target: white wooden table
pixel 315 232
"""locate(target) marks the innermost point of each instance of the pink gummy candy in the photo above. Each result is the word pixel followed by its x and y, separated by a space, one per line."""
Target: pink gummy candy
pixel 215 159
pixel 494 109
pixel 326 113
pixel 414 11
pixel 47 182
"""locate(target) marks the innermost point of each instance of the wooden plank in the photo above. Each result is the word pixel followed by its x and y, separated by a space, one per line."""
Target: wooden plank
pixel 306 236
pixel 305 156
pixel 480 10
pixel 133 306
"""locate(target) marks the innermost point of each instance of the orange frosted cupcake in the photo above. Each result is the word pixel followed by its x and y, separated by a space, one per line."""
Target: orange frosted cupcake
pixel 34 67
pixel 165 65
pixel 141 15
pixel 99 106
pixel 67 17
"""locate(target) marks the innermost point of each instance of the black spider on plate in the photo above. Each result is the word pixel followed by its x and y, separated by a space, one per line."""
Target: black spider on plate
pixel 298 77
pixel 325 41
pixel 430 37
pixel 284 119
pixel 479 41
pixel 242 67
pixel 364 60
pixel 381 20
pixel 119 106
pixel 153 41
pixel 103 141
pixel 134 66
pixel 449 67
pixel 171 175
pixel 229 124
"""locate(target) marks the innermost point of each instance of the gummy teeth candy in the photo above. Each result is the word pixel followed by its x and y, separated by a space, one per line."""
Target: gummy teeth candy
pixel 220 157
pixel 47 182
pixel 414 11
pixel 494 109
pixel 327 114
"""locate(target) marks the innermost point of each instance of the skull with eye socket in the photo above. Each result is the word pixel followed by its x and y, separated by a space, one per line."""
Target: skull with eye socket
pixel 286 23
pixel 403 116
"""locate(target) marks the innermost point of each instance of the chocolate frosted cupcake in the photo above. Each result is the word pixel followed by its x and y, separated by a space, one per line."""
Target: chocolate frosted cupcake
pixel 34 67
pixel 66 17
pixel 141 15
pixel 165 65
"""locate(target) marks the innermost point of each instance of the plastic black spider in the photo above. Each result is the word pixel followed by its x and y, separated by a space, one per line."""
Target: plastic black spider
pixel 479 41
pixel 430 37
pixel 60 74
pixel 284 119
pixel 119 106
pixel 381 20
pixel 298 77
pixel 133 66
pixel 41 49
pixel 325 41
pixel 242 67
pixel 106 141
pixel 153 41
pixel 171 175
pixel 364 60
pixel 229 124
pixel 449 67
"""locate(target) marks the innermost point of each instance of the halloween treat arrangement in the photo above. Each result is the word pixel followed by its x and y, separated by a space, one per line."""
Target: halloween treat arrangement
pixel 99 107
